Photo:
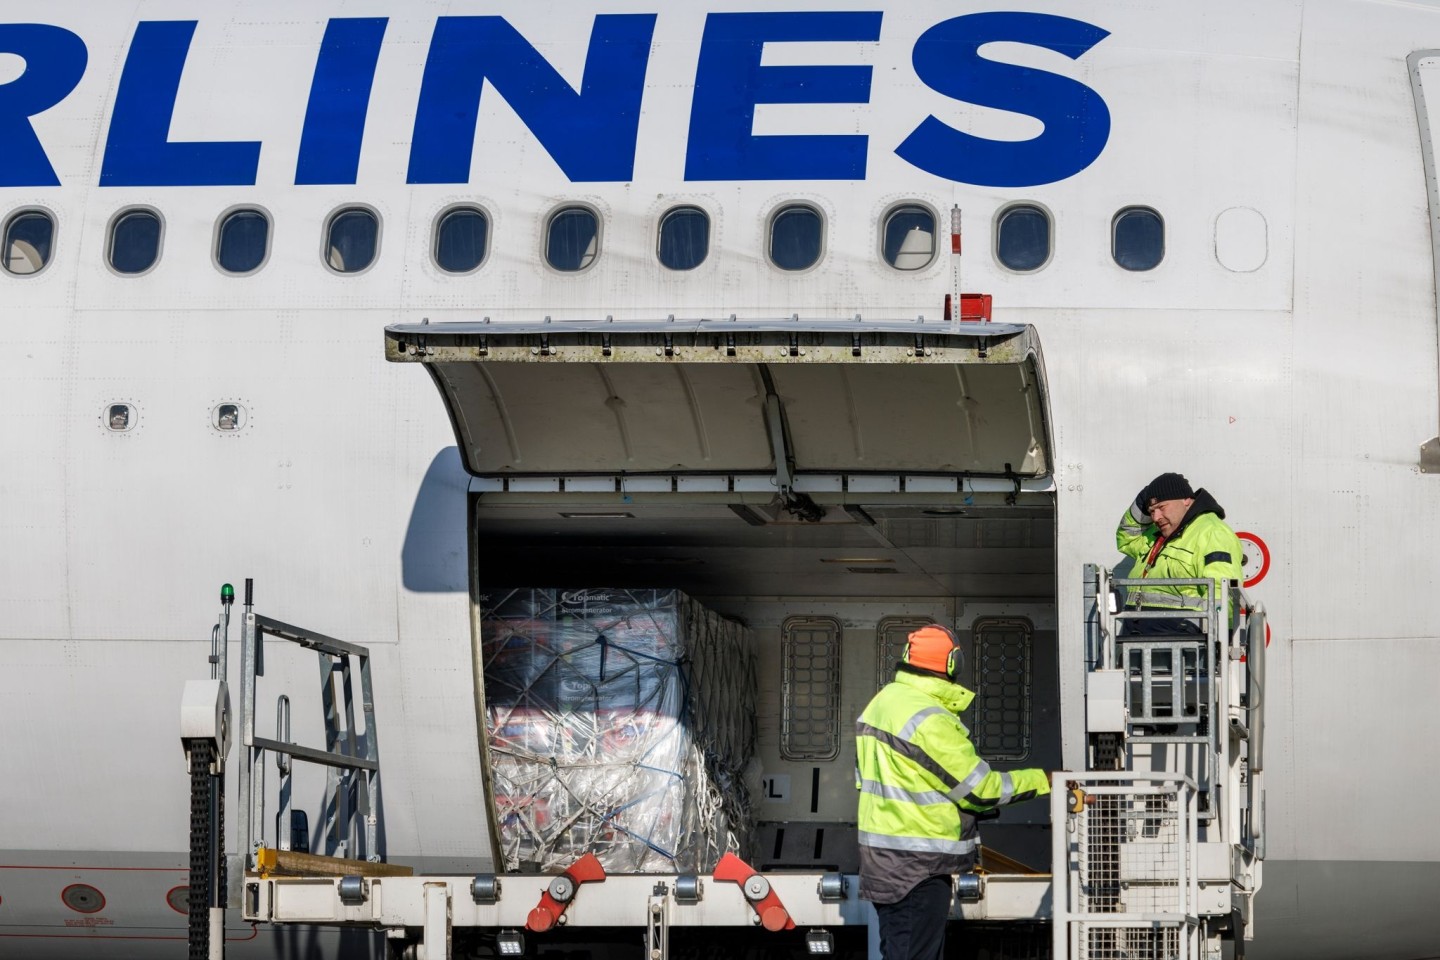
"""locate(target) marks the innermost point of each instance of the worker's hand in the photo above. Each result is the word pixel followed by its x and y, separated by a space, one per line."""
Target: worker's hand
pixel 1141 505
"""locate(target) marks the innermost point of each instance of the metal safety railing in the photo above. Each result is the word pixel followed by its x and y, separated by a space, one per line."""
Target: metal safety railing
pixel 1175 749
pixel 1125 857
pixel 351 754
pixel 1191 685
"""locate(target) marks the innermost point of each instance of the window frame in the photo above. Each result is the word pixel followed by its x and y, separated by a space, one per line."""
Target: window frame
pixel 10 219
pixel 1114 226
pixel 329 224
pixel 799 723
pixel 894 209
pixel 1000 216
pixel 447 211
pixel 660 235
pixel 114 223
pixel 774 218
pixel 550 219
pixel 225 215
pixel 242 417
pixel 988 726
pixel 132 422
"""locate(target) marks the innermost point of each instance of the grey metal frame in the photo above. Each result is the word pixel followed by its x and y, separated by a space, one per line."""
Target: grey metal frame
pixel 798 735
pixel 993 674
pixel 1165 666
pixel 1224 639
pixel 347 754
pixel 1168 924
pixel 1122 652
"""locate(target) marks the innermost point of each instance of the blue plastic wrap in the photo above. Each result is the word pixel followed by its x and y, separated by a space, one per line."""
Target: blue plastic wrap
pixel 620 723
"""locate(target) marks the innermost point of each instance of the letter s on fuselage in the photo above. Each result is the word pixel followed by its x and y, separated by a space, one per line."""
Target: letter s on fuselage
pixel 591 133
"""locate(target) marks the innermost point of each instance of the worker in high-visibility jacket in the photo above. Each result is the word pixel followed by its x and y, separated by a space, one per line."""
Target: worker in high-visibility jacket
pixel 921 784
pixel 1176 532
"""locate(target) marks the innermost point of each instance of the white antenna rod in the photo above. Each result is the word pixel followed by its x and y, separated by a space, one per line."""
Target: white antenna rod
pixel 955 263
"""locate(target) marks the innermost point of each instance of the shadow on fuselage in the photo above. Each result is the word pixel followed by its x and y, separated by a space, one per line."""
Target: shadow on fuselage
pixel 433 557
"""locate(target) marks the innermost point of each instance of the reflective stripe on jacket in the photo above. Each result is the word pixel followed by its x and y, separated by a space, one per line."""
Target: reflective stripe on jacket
pixel 1202 546
pixel 920 779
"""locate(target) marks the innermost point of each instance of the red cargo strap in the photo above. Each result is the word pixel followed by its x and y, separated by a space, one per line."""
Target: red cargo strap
pixel 772 913
pixel 548 911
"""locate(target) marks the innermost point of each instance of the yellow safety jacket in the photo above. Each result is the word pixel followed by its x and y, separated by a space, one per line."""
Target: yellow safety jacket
pixel 1201 546
pixel 920 783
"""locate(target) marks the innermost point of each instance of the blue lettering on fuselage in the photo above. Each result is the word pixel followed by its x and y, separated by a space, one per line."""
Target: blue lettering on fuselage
pixel 1077 122
pixel 54 63
pixel 138 150
pixel 730 81
pixel 591 133
pixel 339 100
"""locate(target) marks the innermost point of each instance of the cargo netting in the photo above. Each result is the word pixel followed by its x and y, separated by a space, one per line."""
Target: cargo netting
pixel 621 723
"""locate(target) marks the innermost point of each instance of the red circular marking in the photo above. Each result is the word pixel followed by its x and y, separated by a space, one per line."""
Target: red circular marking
pixel 540 920
pixel 774 919
pixel 82 886
pixel 170 898
pixel 1264 556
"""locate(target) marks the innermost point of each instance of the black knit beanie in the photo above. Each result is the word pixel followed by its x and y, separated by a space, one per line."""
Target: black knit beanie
pixel 1167 486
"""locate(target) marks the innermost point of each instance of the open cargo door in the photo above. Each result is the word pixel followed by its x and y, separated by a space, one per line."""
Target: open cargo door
pixel 722 398
pixel 790 475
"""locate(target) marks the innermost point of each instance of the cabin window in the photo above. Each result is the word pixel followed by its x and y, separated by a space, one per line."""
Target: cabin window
pixel 1022 238
pixel 134 241
pixel 797 235
pixel 119 417
pixel 227 417
pixel 1137 238
pixel 351 240
pixel 909 237
pixel 1001 716
pixel 461 237
pixel 810 685
pixel 243 242
pixel 572 239
pixel 29 236
pixel 684 238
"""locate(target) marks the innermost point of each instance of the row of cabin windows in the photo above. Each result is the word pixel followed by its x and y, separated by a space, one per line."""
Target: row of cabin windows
pixel 796 239
pixel 352 240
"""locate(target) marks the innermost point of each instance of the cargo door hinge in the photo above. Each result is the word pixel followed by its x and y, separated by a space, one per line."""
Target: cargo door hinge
pixel 797 504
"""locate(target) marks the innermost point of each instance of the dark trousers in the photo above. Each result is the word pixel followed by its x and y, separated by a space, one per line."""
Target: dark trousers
pixel 1164 627
pixel 914 927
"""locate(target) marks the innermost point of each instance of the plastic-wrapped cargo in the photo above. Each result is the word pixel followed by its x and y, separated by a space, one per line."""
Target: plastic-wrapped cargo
pixel 621 723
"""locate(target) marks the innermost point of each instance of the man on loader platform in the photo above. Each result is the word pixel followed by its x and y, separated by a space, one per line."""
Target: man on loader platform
pixel 1174 532
pixel 921 784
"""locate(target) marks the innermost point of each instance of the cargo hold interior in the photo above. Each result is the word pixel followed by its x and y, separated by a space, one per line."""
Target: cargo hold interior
pixel 828 604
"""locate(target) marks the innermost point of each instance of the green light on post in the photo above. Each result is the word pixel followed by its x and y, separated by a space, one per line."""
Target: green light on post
pixel 227 594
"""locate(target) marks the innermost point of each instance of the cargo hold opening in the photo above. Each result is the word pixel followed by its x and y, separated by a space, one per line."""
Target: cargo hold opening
pixel 830 487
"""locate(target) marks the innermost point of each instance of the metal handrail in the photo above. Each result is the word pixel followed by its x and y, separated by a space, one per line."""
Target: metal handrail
pixel 346 753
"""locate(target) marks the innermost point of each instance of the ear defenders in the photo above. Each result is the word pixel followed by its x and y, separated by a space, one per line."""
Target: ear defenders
pixel 935 648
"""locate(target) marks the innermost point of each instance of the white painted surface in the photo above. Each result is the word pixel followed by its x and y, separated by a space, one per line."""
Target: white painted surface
pixel 1297 391
pixel 1240 239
